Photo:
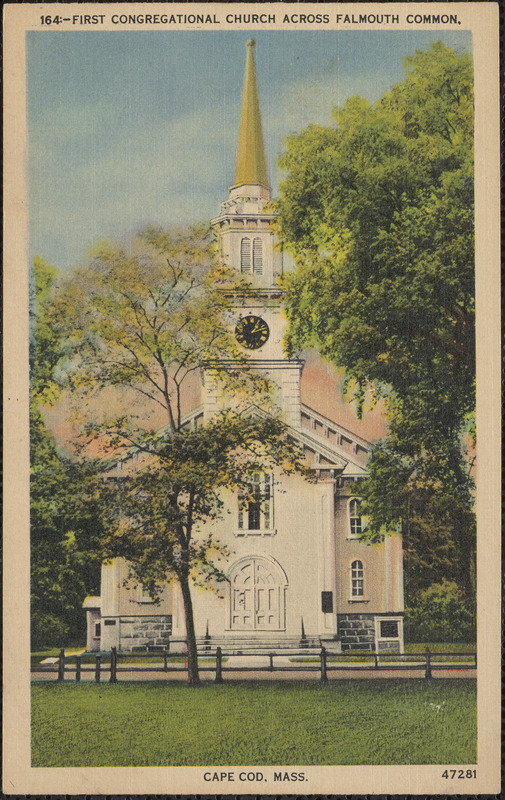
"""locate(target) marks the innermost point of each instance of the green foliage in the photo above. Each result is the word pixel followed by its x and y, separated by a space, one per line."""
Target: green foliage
pixel 160 518
pixel 66 525
pixel 347 722
pixel 140 320
pixel 45 340
pixel 428 498
pixel 48 629
pixel 143 317
pixel 378 213
pixel 64 502
pixel 440 613
pixel 160 515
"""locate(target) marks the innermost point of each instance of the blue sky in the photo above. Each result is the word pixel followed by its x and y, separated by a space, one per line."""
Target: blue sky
pixel 130 128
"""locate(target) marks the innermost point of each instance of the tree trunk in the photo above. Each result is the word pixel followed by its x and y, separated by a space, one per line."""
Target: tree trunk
pixel 193 676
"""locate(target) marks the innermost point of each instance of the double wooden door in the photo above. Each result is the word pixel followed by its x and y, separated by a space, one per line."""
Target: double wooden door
pixel 257 597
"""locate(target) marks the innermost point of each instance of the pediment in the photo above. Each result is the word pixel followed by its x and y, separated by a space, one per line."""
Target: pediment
pixel 325 454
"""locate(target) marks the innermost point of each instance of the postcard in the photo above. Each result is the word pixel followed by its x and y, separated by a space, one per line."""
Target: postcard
pixel 252 415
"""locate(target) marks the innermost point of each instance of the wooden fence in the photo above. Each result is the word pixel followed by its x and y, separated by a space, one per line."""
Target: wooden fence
pixel 113 663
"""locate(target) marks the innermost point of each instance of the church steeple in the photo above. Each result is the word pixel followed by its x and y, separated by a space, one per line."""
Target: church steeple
pixel 251 165
pixel 244 228
pixel 248 244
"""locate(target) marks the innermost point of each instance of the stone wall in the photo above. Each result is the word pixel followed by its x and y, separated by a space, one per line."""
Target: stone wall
pixel 356 631
pixel 137 633
pixel 391 647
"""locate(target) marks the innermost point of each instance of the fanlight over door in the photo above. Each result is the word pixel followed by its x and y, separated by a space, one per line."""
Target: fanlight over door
pixel 257 596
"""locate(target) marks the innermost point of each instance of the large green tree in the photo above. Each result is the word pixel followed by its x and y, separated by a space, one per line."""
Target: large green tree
pixel 137 322
pixel 64 498
pixel 378 213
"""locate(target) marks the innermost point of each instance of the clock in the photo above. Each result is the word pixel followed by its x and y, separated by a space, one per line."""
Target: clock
pixel 251 332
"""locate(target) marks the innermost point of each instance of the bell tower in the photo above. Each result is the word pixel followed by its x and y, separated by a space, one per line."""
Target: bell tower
pixel 246 240
pixel 247 243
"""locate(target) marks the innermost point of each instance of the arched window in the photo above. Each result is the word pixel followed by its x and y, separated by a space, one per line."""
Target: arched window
pixel 245 255
pixel 357 579
pixel 355 524
pixel 257 256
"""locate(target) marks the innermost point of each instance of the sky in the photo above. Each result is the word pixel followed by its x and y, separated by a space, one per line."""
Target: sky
pixel 133 128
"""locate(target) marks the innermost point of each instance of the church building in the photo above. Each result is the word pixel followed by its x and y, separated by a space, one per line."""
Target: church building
pixel 297 568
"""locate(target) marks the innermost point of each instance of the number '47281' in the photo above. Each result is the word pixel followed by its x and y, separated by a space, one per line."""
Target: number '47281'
pixel 459 773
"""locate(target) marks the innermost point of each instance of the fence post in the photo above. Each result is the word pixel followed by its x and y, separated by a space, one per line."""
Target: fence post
pixel 165 660
pixel 324 676
pixel 427 671
pixel 78 662
pixel 97 669
pixel 376 657
pixel 113 665
pixel 219 666
pixel 61 665
pixel 271 656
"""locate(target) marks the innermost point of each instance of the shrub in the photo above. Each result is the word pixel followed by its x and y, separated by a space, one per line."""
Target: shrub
pixel 440 613
pixel 48 631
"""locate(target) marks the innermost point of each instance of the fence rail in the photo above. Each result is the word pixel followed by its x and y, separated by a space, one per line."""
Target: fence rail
pixel 112 663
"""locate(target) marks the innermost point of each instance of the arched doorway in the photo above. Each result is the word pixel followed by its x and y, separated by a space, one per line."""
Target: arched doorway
pixel 257 595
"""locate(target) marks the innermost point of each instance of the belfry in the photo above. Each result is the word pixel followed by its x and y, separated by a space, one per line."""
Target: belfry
pixel 248 244
pixel 297 567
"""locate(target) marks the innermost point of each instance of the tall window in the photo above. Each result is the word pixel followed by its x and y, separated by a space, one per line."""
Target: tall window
pixel 257 256
pixel 355 517
pixel 245 255
pixel 255 505
pixel 143 595
pixel 357 579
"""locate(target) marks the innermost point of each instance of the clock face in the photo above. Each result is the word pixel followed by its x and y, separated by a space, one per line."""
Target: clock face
pixel 252 332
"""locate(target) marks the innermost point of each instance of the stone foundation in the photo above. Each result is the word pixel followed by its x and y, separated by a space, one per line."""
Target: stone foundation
pixel 388 647
pixel 137 633
pixel 356 631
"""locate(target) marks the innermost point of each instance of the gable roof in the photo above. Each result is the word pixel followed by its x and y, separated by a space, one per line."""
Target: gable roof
pixel 335 454
pixel 331 446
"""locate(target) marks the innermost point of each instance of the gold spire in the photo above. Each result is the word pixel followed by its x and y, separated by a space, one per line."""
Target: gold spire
pixel 251 165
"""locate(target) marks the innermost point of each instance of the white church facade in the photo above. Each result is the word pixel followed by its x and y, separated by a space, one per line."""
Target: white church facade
pixel 298 568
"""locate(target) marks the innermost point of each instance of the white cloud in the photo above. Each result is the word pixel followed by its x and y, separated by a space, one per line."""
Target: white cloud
pixel 166 172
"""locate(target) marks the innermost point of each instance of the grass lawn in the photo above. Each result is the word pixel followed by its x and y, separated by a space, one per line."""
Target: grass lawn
pixel 252 723
pixel 441 647
pixel 413 652
pixel 348 656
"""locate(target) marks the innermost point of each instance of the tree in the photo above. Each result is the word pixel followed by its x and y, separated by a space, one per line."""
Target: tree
pixel 44 342
pixel 441 613
pixel 144 318
pixel 161 517
pixel 66 525
pixel 64 498
pixel 378 213
pixel 141 320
